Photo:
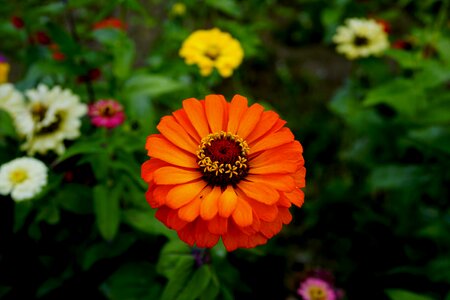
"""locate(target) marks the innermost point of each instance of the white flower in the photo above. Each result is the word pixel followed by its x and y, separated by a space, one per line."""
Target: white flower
pixel 361 38
pixel 56 116
pixel 12 101
pixel 23 178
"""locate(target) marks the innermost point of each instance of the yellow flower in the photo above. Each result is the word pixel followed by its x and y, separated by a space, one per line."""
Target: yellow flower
pixel 361 38
pixel 4 70
pixel 178 9
pixel 211 49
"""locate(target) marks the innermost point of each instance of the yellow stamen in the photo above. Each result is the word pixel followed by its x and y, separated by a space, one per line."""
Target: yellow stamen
pixel 18 176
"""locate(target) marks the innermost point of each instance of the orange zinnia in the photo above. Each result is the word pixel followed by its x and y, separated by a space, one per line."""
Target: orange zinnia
pixel 224 170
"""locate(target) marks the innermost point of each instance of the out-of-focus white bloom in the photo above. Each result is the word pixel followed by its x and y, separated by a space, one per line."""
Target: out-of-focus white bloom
pixel 12 101
pixel 56 117
pixel 361 38
pixel 23 178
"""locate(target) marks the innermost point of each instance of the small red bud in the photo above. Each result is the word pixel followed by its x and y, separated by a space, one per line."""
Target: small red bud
pixel 17 22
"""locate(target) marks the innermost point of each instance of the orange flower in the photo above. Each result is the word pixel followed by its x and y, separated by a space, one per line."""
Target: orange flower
pixel 223 170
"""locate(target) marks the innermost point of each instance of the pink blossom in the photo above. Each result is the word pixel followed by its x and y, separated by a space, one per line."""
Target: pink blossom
pixel 106 113
pixel 316 289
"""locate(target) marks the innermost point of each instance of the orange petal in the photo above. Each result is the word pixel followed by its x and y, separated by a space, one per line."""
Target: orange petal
pixel 174 222
pixel 227 202
pixel 161 148
pixel 162 213
pixel 256 240
pixel 215 108
pixel 210 204
pixel 175 133
pixel 190 211
pixel 269 229
pixel 149 167
pixel 158 195
pixel 238 107
pixel 254 227
pixel 243 214
pixel 182 194
pixel 196 114
pixel 231 238
pixel 204 238
pixel 259 192
pixel 265 212
pixel 284 201
pixel 281 182
pixel 282 159
pixel 182 118
pixel 299 177
pixel 249 120
pixel 276 139
pixel 187 234
pixel 174 175
pixel 268 120
pixel 285 215
pixel 218 225
pixel 297 197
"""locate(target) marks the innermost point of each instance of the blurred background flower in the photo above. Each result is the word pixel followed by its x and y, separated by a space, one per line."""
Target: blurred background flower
pixel 106 113
pixel 212 49
pixel 22 178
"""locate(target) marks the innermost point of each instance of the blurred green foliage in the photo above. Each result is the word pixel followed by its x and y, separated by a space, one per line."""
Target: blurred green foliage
pixel 376 135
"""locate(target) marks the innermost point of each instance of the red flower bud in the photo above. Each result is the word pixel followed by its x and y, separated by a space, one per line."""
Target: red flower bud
pixel 17 22
pixel 59 56
pixel 94 74
pixel 43 38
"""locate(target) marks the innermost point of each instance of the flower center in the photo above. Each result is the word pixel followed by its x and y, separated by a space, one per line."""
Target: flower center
pixel 52 127
pixel 222 157
pixel 107 111
pixel 38 111
pixel 317 293
pixel 18 176
pixel 212 52
pixel 360 41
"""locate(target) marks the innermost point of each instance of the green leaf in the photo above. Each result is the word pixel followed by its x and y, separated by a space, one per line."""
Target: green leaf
pixel 107 210
pixel 211 292
pixel 229 7
pixel 123 54
pixel 21 211
pixel 107 36
pixel 133 281
pixel 443 47
pixel 81 147
pixel 406 59
pixel 104 250
pixel 64 40
pixel 49 213
pixel 181 274
pixel 197 284
pixel 396 177
pixel 133 173
pixel 401 94
pixel 396 294
pixel 432 74
pixel 227 294
pixel 75 198
pixel 150 86
pixel 144 220
pixel 169 256
pixel 6 125
pixel 435 137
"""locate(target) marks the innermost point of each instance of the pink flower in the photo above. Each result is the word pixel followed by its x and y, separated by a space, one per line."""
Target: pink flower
pixel 106 113
pixel 316 289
